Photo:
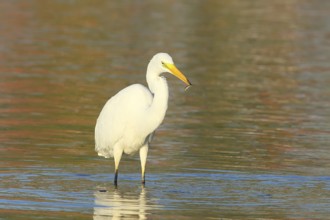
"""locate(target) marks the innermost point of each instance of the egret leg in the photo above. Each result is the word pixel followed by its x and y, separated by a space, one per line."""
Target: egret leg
pixel 116 178
pixel 143 158
pixel 117 153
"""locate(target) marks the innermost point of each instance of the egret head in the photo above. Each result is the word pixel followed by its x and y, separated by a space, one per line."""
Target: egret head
pixel 166 64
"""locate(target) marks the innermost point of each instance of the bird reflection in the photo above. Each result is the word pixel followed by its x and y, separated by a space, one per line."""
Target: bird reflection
pixel 114 204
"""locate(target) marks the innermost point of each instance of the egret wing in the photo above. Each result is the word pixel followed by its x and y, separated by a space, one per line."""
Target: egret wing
pixel 118 114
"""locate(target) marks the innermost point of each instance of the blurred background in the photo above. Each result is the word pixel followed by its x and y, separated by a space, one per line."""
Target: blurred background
pixel 250 139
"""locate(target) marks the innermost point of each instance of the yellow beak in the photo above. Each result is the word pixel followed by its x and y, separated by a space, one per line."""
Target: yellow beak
pixel 176 72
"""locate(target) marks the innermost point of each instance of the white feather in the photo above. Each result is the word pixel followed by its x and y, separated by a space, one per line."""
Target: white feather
pixel 128 120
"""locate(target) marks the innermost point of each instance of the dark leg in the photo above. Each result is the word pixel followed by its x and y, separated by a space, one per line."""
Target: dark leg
pixel 117 153
pixel 143 179
pixel 116 177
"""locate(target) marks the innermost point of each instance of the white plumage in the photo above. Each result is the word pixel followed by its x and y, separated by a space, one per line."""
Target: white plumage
pixel 128 119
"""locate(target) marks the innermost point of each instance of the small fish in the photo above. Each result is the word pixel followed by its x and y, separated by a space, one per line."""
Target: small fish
pixel 187 87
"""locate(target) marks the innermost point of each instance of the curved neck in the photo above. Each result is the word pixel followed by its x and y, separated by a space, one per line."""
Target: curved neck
pixel 157 110
pixel 160 93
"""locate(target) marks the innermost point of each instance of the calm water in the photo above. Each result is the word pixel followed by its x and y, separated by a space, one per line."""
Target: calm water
pixel 250 140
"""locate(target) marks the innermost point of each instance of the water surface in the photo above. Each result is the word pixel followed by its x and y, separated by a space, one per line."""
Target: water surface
pixel 249 140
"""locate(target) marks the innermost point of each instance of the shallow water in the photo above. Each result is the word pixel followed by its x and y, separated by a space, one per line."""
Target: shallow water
pixel 249 140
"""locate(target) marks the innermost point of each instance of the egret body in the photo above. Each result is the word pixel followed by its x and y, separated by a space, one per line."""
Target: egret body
pixel 129 119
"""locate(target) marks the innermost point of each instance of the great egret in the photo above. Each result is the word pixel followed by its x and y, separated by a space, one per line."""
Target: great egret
pixel 129 119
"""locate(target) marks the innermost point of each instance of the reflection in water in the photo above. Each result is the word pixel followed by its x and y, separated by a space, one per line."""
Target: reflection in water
pixel 119 204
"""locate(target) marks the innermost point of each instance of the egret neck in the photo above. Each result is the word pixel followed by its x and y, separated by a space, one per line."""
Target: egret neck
pixel 159 89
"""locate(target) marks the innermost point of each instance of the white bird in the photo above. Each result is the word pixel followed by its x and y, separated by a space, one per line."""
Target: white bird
pixel 129 119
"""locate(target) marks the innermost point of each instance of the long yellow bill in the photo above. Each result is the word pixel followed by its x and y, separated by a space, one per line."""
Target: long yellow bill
pixel 176 72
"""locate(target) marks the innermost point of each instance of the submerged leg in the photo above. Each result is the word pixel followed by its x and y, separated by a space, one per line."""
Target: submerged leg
pixel 143 158
pixel 117 153
pixel 116 177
